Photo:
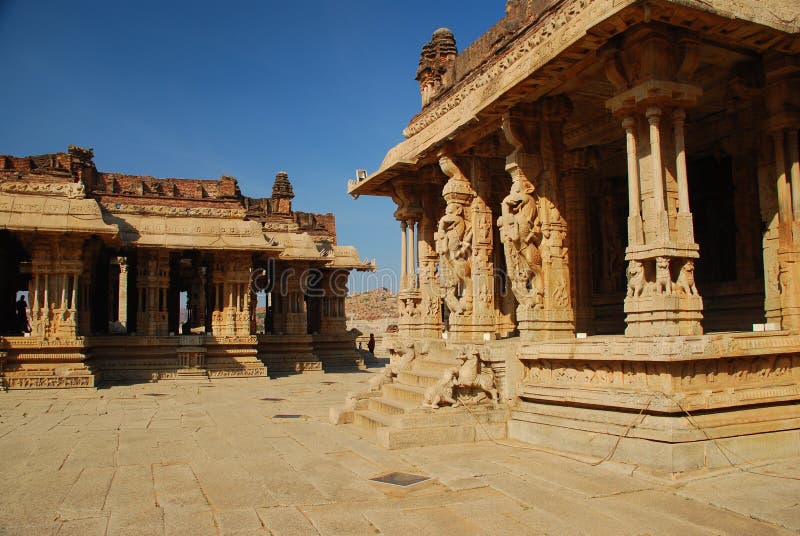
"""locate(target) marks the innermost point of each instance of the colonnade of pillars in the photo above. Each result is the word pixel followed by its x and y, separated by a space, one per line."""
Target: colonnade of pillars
pixel 62 284
pixel 53 290
pixel 662 297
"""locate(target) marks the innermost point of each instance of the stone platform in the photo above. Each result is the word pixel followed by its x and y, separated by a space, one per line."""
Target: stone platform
pixel 180 458
pixel 672 404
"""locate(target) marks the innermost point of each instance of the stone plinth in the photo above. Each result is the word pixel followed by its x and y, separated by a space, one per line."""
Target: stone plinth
pixel 33 363
pixel 233 357
pixel 288 353
pixel 543 324
pixel 337 351
pixel 663 314
pixel 667 403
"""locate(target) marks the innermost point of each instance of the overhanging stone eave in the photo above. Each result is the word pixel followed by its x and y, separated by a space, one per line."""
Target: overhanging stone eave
pixel 169 232
pixel 391 167
pixel 490 91
pixel 34 213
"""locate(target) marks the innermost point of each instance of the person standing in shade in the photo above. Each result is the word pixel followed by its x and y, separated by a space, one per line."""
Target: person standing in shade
pixel 371 344
pixel 22 315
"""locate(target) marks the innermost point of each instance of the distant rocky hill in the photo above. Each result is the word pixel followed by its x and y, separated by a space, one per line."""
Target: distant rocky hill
pixel 375 304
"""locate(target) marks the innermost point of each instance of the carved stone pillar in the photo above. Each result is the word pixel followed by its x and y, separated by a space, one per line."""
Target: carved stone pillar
pixel 408 213
pixel 576 175
pixel 152 282
pixel 334 291
pixel 197 301
pixel 430 309
pixel 652 77
pixel 768 205
pixel 231 279
pixel 483 320
pixel 782 97
pixel 290 317
pixel 122 296
pixel 55 267
pixel 454 244
pixel 411 255
pixel 403 255
pixel 532 229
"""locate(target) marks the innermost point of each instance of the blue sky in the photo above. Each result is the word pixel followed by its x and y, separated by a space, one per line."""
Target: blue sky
pixel 196 89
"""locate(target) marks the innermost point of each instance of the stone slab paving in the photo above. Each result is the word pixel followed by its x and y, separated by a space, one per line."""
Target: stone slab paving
pixel 213 458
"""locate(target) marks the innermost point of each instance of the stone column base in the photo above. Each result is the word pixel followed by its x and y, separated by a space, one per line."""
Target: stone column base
pixel 464 330
pixel 233 357
pixel 288 353
pixel 663 314
pixel 542 324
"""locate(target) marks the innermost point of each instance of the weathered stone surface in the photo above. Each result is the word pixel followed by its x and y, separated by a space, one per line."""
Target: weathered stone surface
pixel 319 475
pixel 568 150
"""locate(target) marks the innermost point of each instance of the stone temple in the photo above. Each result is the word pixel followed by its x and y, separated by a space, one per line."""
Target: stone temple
pixel 599 213
pixel 110 260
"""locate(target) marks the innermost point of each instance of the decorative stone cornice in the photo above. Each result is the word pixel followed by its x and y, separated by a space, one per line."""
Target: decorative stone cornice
pixel 161 210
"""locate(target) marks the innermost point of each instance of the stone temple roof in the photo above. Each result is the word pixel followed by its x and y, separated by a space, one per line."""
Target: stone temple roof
pixel 282 187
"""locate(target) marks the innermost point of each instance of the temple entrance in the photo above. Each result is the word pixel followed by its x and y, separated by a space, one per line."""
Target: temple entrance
pixel 13 284
pixel 261 289
pixel 730 257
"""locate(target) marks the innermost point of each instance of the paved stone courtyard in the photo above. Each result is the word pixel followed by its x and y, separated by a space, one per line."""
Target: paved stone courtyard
pixel 188 458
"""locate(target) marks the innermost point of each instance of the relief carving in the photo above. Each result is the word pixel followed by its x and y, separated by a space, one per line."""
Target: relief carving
pixel 453 239
pixel 70 190
pixel 471 383
pixel 685 283
pixel 521 235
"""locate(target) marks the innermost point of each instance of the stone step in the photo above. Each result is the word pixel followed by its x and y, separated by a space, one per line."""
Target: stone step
pixel 436 365
pixel 386 406
pixel 435 429
pixel 419 378
pixel 192 374
pixel 404 393
pixel 370 420
pixel 479 415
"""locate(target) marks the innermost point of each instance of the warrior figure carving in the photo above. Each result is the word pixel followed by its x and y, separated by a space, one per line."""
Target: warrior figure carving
pixel 454 246
pixel 521 234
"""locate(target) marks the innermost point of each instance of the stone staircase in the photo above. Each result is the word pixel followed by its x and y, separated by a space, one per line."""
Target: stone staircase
pixel 394 416
pixel 192 374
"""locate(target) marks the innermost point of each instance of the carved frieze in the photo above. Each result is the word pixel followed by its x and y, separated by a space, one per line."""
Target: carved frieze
pixel 70 190
pixel 162 210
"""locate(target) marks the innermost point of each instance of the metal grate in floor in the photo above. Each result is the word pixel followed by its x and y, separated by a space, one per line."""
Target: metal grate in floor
pixel 400 479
